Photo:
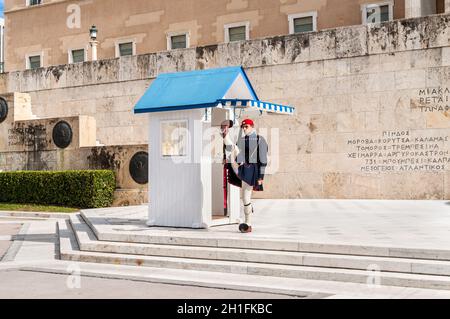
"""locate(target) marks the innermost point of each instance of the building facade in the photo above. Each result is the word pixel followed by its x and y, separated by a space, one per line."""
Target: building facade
pixel 42 33
pixel 372 108
pixel 372 101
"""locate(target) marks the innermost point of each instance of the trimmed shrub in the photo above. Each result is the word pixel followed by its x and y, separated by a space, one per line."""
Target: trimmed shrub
pixel 82 189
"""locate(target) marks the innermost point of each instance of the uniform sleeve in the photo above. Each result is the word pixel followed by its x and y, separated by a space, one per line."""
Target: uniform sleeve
pixel 228 147
pixel 240 149
pixel 263 150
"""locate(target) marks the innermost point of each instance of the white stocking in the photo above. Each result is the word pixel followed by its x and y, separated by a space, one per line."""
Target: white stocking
pixel 246 194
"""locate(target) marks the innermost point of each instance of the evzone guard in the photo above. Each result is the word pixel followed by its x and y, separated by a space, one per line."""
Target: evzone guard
pixel 244 165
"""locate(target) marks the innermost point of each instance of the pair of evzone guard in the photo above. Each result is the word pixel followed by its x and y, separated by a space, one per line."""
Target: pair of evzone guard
pixel 244 165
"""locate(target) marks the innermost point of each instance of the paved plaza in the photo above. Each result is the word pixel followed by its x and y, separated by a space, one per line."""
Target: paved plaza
pixel 32 248
pixel 16 285
pixel 7 233
pixel 412 224
pixel 340 124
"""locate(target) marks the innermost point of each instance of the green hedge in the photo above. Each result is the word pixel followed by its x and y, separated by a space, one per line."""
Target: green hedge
pixel 82 189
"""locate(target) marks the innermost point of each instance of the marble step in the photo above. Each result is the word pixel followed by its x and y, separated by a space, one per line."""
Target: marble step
pixel 304 288
pixel 213 239
pixel 88 242
pixel 33 215
pixel 69 251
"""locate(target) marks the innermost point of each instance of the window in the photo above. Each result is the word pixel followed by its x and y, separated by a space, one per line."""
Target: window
pixel 33 61
pixel 440 6
pixel 237 32
pixel 302 22
pixel 178 42
pixel 76 56
pixel 125 47
pixel 378 12
pixel 174 138
pixel 33 2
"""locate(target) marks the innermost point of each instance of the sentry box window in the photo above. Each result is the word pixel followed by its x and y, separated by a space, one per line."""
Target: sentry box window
pixel 174 138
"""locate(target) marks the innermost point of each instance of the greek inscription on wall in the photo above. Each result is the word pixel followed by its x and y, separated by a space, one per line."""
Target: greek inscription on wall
pixel 16 137
pixel 32 136
pixel 399 151
pixel 433 100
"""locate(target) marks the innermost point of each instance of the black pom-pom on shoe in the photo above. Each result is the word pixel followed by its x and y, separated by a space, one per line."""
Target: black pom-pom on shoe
pixel 244 228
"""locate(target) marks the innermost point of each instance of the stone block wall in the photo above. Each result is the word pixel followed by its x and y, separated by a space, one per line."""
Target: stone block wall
pixel 372 104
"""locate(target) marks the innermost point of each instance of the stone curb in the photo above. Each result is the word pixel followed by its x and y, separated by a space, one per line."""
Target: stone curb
pixel 195 239
pixel 35 214
pixel 70 252
pixel 16 245
pixel 182 282
pixel 87 242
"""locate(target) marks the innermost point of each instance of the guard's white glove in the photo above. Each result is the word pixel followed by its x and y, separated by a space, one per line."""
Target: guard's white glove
pixel 231 155
pixel 227 140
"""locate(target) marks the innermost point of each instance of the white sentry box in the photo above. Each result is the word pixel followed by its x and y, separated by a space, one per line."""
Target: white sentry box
pixel 186 178
pixel 186 174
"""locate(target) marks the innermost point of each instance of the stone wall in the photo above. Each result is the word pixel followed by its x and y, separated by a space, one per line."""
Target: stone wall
pixel 68 143
pixel 371 101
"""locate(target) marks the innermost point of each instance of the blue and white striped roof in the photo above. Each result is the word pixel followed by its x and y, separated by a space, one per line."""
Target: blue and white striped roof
pixel 260 105
pixel 203 89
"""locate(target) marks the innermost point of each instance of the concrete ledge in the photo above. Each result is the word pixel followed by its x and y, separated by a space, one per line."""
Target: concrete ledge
pixel 89 243
pixel 279 285
pixel 389 279
pixel 70 252
pixel 102 231
pixel 16 245
pixel 42 215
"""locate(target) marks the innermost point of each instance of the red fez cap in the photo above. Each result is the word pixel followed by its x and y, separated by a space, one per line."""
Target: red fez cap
pixel 248 122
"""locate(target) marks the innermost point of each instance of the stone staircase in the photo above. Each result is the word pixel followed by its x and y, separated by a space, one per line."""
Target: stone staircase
pixel 387 266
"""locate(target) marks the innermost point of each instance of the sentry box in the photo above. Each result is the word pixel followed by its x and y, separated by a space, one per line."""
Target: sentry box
pixel 187 187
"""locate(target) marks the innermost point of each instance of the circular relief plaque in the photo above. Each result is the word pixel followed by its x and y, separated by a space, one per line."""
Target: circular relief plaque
pixel 139 168
pixel 62 134
pixel 3 109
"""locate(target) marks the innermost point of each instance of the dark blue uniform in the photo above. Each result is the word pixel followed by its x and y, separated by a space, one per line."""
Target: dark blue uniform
pixel 252 156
